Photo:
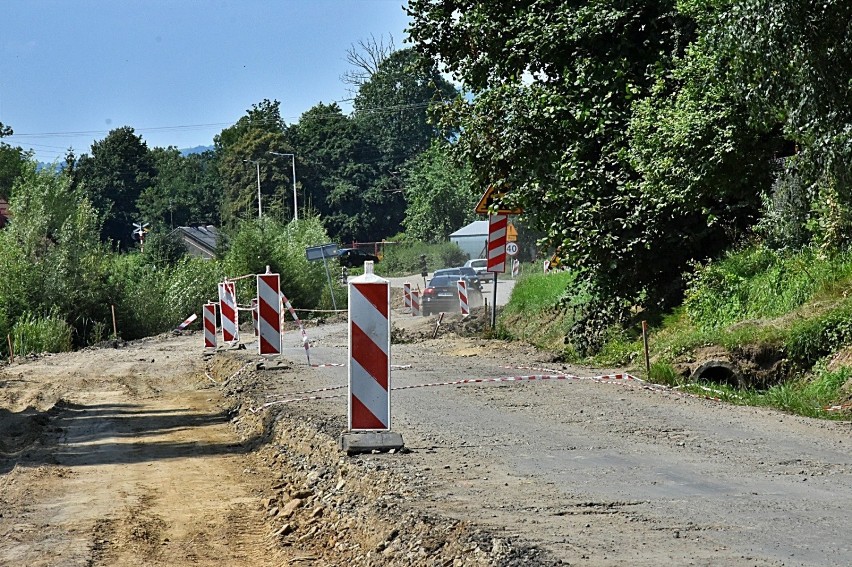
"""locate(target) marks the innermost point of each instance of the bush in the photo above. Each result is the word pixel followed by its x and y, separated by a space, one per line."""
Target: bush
pixel 403 258
pixel 758 282
pixel 33 335
pixel 811 339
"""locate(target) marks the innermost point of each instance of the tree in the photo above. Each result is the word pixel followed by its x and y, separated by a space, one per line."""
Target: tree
pixel 251 140
pixel 119 169
pixel 440 196
pixel 186 189
pixel 12 162
pixel 365 59
pixel 554 86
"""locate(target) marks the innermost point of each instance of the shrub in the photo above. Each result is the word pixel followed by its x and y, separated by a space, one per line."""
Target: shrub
pixel 32 334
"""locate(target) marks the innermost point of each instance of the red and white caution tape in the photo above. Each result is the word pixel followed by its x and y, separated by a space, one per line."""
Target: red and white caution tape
pixel 305 340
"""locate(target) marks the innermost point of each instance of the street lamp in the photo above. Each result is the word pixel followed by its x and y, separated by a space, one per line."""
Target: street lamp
pixel 257 163
pixel 295 204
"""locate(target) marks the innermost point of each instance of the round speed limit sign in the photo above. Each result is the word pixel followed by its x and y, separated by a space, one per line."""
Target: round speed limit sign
pixel 512 248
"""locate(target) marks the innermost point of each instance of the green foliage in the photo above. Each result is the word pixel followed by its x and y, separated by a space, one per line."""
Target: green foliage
pixel 403 258
pixel 440 196
pixel 538 292
pixel 759 283
pixel 258 244
pixel 164 248
pixel 786 211
pixel 116 174
pixel 185 191
pixel 32 334
pixel 815 337
pixel 663 373
pixel 13 161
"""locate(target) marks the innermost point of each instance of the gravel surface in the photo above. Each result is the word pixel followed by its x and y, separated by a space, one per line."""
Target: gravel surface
pixel 154 454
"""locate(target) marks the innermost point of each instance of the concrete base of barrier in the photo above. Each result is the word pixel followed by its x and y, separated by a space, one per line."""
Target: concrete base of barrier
pixel 368 441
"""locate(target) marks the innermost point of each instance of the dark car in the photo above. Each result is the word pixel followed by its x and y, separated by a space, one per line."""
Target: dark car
pixel 354 257
pixel 442 294
pixel 469 275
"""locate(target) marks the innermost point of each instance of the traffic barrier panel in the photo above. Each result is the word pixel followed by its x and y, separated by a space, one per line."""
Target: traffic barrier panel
pixel 406 295
pixel 228 311
pixel 187 322
pixel 415 303
pixel 268 314
pixel 463 303
pixel 516 268
pixel 369 352
pixel 209 313
pixel 497 243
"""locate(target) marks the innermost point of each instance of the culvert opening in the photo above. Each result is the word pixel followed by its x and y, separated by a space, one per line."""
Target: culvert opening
pixel 717 371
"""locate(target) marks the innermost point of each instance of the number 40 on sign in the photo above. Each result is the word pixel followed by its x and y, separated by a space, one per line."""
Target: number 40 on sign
pixel 511 248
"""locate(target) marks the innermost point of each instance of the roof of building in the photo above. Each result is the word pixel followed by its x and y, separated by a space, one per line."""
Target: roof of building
pixel 204 238
pixel 476 228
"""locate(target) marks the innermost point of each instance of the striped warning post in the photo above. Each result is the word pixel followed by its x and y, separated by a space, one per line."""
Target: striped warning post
pixel 406 295
pixel 369 352
pixel 228 310
pixel 415 303
pixel 463 305
pixel 268 314
pixel 187 322
pixel 516 268
pixel 209 311
pixel 254 315
pixel 497 243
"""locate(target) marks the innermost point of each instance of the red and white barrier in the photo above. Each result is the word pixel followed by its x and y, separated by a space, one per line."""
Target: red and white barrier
pixel 516 268
pixel 228 310
pixel 254 315
pixel 463 304
pixel 209 314
pixel 415 303
pixel 268 314
pixel 369 352
pixel 497 226
pixel 187 322
pixel 406 295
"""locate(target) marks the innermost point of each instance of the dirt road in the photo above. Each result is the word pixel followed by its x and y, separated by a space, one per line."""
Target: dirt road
pixel 152 454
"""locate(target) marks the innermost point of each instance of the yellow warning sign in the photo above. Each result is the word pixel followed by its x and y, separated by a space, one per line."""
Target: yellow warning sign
pixel 511 233
pixel 492 197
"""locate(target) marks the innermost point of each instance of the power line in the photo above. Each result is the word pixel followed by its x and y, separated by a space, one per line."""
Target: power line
pixel 222 125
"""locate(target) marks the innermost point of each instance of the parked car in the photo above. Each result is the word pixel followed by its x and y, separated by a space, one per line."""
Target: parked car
pixel 354 257
pixel 480 266
pixel 469 275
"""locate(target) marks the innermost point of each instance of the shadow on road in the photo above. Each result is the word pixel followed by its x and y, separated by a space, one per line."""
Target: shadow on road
pixel 72 434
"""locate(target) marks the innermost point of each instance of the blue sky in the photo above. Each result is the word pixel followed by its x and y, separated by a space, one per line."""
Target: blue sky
pixel 178 71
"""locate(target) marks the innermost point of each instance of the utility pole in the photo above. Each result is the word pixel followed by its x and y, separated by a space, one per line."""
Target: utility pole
pixel 295 202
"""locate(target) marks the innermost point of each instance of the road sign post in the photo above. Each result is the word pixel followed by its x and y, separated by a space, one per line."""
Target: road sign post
pixel 324 252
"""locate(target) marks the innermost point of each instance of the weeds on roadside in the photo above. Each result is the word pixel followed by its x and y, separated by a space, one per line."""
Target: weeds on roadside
pixel 33 334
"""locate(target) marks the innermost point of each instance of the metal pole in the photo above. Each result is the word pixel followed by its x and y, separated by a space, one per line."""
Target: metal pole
pixel 295 203
pixel 494 304
pixel 328 277
pixel 259 212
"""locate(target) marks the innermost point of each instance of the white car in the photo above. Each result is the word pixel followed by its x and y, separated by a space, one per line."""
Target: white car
pixel 480 265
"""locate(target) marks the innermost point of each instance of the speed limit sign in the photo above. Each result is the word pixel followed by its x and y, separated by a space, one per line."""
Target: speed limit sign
pixel 511 248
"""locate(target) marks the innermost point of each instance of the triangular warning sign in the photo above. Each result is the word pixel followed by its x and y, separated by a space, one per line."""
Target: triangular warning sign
pixel 493 196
